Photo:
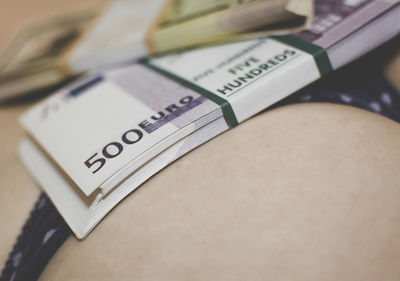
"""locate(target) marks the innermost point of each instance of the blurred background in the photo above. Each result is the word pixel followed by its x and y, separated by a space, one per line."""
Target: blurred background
pixel 16 14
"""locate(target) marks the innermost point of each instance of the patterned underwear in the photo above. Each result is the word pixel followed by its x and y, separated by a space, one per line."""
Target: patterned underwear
pixel 45 230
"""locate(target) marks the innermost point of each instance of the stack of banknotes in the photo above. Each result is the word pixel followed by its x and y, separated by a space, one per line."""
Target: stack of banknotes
pixel 46 53
pixel 93 142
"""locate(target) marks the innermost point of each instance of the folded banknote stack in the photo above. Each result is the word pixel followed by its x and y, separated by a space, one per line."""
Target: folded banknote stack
pixel 93 142
pixel 46 53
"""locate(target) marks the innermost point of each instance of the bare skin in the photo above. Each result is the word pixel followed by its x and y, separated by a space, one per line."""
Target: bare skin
pixel 304 192
pixel 392 70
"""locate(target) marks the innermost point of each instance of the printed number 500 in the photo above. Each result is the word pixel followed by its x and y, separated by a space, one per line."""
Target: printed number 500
pixel 113 149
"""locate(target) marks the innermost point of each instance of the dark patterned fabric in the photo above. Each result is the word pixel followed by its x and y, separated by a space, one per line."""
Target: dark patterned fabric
pixel 375 95
pixel 45 231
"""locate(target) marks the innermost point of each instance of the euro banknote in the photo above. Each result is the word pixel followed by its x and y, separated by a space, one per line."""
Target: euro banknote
pixel 35 58
pixel 187 23
pixel 94 142
pixel 118 31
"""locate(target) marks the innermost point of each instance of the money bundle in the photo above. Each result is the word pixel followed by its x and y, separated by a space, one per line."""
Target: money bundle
pixel 122 30
pixel 187 23
pixel 94 142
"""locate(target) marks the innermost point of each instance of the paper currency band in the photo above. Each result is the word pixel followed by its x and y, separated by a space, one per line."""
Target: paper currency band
pixel 319 54
pixel 224 104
